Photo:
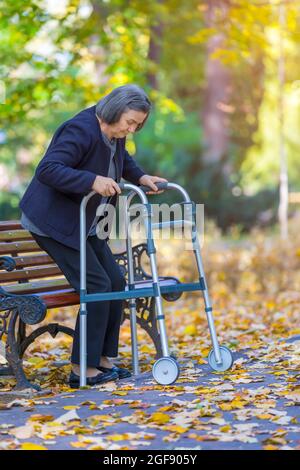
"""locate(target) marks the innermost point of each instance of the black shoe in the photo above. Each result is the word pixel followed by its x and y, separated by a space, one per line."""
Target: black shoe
pixel 122 373
pixel 74 379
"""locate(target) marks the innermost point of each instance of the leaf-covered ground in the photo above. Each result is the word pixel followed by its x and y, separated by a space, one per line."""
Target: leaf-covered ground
pixel 254 286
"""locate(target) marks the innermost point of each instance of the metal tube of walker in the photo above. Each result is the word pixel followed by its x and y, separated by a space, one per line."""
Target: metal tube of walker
pixel 83 309
pixel 160 315
pixel 197 252
pixel 208 308
pixel 147 220
pixel 132 302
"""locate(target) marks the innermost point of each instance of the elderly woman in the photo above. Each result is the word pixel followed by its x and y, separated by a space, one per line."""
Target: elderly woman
pixel 86 153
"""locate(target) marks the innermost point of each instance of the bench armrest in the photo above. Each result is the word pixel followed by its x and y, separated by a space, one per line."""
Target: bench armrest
pixel 7 263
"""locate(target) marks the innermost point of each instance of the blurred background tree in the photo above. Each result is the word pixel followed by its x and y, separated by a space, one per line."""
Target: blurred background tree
pixel 210 68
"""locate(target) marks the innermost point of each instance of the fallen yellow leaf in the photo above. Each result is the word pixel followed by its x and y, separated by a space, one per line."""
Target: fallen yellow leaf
pixel 160 418
pixel 71 407
pixel 190 330
pixel 77 444
pixel 174 428
pixel 41 418
pixel 264 416
pixel 32 446
pixel 225 428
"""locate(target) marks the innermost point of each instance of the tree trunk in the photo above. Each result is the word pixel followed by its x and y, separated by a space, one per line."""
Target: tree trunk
pixel 216 96
pixel 154 52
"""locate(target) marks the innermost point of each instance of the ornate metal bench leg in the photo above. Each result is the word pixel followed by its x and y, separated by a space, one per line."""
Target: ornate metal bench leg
pixel 31 310
pixel 4 319
pixel 21 331
pixel 13 356
pixel 6 371
pixel 52 328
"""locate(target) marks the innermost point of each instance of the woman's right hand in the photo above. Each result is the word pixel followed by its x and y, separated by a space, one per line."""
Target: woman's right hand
pixel 106 186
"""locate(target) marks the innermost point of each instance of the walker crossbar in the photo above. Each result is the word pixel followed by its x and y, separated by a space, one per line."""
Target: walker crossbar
pixel 141 292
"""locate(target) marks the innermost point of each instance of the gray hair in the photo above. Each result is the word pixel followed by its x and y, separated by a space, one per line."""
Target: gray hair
pixel 121 99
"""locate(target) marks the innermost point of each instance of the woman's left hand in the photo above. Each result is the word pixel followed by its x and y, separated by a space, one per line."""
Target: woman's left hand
pixel 148 180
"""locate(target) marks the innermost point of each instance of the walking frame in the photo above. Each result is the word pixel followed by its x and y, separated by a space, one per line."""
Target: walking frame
pixel 165 370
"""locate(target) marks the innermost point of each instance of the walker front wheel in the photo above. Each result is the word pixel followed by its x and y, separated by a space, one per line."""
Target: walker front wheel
pixel 226 357
pixel 165 371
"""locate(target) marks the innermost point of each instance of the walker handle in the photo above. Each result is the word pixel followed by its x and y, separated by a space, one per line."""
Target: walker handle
pixel 160 185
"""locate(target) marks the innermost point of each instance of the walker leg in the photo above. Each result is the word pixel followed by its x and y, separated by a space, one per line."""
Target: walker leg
pixel 132 302
pixel 166 369
pixel 83 348
pixel 155 281
pixel 207 302
pixel 160 314
pixel 134 342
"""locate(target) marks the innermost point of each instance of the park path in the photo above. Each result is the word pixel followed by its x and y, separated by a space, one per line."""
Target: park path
pixel 254 406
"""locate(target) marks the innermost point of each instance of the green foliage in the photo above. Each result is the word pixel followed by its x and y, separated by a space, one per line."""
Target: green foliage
pixel 9 209
pixel 168 145
pixel 56 61
pixel 226 203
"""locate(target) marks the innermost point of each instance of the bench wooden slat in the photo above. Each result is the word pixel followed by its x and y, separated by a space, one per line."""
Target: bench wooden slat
pixel 63 298
pixel 18 247
pixel 10 225
pixel 27 274
pixel 33 287
pixel 12 235
pixel 60 284
pixel 35 260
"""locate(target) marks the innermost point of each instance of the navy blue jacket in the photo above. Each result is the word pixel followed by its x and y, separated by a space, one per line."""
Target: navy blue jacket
pixel 66 173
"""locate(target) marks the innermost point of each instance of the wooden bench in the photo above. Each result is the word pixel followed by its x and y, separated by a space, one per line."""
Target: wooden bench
pixel 31 283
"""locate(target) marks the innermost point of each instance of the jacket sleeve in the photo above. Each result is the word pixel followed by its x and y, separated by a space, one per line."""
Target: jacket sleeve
pixel 131 171
pixel 58 166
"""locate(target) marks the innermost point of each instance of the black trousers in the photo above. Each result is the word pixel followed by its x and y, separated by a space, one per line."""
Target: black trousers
pixel 103 275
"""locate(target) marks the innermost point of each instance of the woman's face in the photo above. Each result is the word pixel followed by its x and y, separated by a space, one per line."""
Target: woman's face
pixel 128 123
